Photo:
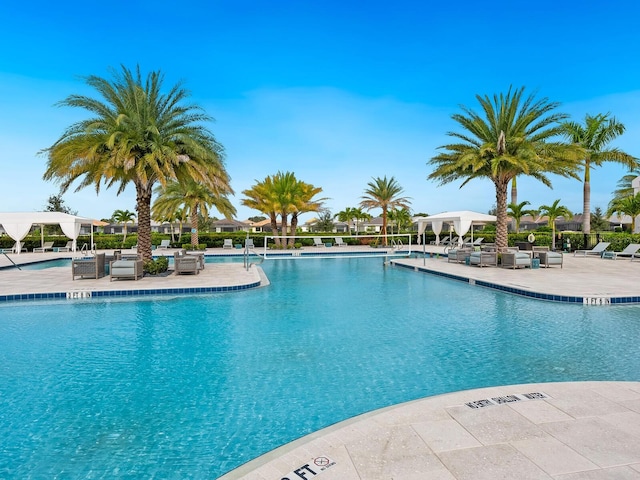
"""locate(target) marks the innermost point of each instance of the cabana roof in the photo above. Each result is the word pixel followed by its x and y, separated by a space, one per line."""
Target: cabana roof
pixel 461 220
pixel 18 224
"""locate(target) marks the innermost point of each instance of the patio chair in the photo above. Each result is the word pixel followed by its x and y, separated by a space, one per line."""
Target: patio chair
pixel 340 242
pixel 88 267
pixel 458 255
pixel 597 250
pixel 512 258
pixel 46 246
pixel 550 258
pixel 228 243
pixel 317 242
pixel 248 243
pixel 184 263
pixel 629 251
pixel 132 269
pixel 484 259
pixel 164 244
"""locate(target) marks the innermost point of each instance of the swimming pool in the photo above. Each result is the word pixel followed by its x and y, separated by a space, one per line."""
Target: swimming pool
pixel 191 387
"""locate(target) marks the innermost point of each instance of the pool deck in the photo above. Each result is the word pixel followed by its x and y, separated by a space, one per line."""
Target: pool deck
pixel 561 431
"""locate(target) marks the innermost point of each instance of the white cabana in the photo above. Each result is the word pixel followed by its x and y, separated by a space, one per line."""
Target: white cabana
pixel 462 221
pixel 18 224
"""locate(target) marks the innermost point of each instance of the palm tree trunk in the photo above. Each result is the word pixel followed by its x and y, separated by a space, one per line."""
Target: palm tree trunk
pixel 501 214
pixel 294 227
pixel 195 240
pixel 143 204
pixel 274 228
pixel 514 200
pixel 283 227
pixel 586 206
pixel 384 226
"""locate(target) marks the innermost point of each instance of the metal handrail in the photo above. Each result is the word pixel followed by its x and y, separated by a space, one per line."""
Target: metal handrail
pixel 9 258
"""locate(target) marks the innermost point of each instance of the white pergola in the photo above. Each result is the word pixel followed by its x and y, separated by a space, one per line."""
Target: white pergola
pixel 462 221
pixel 18 224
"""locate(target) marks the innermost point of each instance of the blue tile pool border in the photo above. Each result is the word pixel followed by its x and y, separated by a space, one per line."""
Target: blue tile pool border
pixel 525 293
pixel 129 293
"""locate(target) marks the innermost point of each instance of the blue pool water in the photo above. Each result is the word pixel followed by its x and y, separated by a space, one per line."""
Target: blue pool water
pixel 191 387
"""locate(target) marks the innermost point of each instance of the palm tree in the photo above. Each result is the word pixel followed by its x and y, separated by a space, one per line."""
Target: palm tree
pixel 135 134
pixel 626 206
pixel 517 211
pixel 512 139
pixel 554 211
pixel 282 195
pixel 346 215
pixel 360 215
pixel 593 137
pixel 196 198
pixel 625 186
pixel 400 217
pixel 123 217
pixel 383 193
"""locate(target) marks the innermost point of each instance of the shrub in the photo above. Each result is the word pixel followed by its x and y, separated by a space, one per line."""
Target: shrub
pixel 156 266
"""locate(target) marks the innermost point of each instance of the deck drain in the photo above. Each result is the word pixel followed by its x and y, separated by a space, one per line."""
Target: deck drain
pixel 486 402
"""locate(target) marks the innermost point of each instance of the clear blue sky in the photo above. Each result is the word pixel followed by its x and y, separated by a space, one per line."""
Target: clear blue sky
pixel 336 91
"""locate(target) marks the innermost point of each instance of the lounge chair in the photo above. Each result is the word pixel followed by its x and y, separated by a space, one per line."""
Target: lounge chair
pixel 14 249
pixel 597 250
pixel 164 244
pixel 88 267
pixel 126 269
pixel 629 251
pixel 228 243
pixel 340 242
pixel 317 242
pixel 46 246
pixel 248 243
pixel 550 258
pixel 67 247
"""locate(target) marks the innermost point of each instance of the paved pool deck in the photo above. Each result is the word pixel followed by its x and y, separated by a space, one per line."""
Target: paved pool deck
pixel 561 431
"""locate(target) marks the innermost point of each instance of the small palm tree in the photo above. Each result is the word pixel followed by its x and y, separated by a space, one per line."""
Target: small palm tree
pixel 593 137
pixel 346 215
pixel 384 193
pixel 123 217
pixel 517 211
pixel 401 217
pixel 554 211
pixel 626 206
pixel 624 186
pixel 197 198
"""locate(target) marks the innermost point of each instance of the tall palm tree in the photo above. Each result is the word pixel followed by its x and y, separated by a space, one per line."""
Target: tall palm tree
pixel 135 134
pixel 303 201
pixel 513 138
pixel 629 205
pixel 196 198
pixel 593 137
pixel 552 212
pixel 384 193
pixel 517 211
pixel 123 217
